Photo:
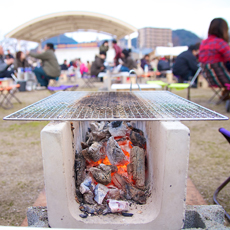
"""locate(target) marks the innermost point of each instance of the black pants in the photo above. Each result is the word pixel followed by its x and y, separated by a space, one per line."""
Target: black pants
pixel 6 74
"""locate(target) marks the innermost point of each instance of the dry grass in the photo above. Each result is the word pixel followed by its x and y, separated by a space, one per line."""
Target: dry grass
pixel 21 171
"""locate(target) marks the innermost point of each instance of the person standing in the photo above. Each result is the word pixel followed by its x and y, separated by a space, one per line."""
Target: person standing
pixel 50 68
pixel 186 64
pixel 4 64
pixel 104 47
pixel 117 52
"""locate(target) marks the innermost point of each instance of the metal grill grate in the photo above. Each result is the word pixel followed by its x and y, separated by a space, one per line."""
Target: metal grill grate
pixel 155 105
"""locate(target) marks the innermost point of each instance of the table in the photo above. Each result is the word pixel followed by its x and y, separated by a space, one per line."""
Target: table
pixel 126 87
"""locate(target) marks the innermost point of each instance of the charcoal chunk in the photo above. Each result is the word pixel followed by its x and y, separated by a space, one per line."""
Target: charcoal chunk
pixel 127 214
pixel 115 153
pixel 88 198
pixel 79 168
pixel 117 128
pixel 100 192
pixel 93 153
pixel 101 173
pixel 137 139
pixel 83 215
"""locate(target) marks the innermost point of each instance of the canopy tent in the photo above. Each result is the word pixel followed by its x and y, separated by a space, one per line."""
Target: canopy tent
pixel 170 51
pixel 42 28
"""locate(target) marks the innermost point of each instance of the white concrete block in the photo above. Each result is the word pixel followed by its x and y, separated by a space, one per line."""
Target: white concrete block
pixel 167 154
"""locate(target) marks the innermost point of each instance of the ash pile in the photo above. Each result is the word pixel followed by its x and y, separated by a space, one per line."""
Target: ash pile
pixel 111 169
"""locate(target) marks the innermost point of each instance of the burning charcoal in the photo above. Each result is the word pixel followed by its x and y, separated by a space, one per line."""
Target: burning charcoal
pixel 93 153
pixel 102 174
pixel 137 139
pixel 100 135
pixel 88 198
pixel 118 205
pixel 84 145
pixel 117 129
pixel 113 168
pixel 100 193
pixel 86 185
pixel 135 194
pixel 115 153
pixel 119 181
pixel 79 168
pixel 94 126
pixel 100 208
pixel 136 168
pixel 89 139
pixel 113 193
pixel 83 215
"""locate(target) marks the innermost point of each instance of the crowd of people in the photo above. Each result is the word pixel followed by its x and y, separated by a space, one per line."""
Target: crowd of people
pixel 213 50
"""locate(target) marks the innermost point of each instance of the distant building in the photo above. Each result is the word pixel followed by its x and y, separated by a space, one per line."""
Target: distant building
pixel 149 37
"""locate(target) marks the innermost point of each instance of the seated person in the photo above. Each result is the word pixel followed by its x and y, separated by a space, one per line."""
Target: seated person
pixel 128 62
pixel 98 64
pixel 20 61
pixel 186 64
pixel 215 49
pixel 145 61
pixel 64 66
pixel 4 64
pixel 163 64
pixel 9 55
pixel 50 68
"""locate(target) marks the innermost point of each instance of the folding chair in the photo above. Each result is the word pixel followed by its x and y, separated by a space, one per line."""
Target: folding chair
pixel 217 76
pixel 7 94
pixel 181 86
pixel 226 134
pixel 88 81
pixel 53 89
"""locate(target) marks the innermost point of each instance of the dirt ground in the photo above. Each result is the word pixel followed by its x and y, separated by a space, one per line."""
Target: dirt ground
pixel 21 171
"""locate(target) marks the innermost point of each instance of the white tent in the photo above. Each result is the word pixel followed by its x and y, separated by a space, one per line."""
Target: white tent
pixel 170 51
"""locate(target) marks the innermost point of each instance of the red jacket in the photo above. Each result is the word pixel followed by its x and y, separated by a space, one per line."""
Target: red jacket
pixel 214 50
pixel 117 51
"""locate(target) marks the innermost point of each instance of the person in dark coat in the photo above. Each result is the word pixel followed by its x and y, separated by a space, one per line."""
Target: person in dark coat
pixel 163 64
pixel 145 61
pixel 98 64
pixel 186 63
pixel 64 66
pixel 128 62
pixel 4 64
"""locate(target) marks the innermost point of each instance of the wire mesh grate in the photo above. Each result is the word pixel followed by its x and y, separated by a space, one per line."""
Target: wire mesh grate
pixel 155 105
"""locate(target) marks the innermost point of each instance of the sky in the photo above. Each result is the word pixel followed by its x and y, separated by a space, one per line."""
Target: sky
pixel 192 15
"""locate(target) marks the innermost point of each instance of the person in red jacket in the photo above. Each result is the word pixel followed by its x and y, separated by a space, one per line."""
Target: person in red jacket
pixel 216 48
pixel 117 52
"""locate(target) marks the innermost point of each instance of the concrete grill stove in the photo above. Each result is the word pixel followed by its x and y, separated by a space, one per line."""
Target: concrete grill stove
pixel 157 114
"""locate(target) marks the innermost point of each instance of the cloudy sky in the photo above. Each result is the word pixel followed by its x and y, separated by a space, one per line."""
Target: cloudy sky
pixel 193 15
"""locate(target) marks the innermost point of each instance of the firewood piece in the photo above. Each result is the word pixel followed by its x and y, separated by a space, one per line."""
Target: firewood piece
pixel 118 205
pixel 135 194
pixel 79 168
pixel 100 192
pixel 115 153
pixel 88 198
pixel 102 174
pixel 93 153
pixel 137 166
pixel 119 181
pixel 117 129
pixel 84 145
pixel 137 139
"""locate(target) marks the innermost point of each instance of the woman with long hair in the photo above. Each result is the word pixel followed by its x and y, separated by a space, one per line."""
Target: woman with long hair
pixel 20 61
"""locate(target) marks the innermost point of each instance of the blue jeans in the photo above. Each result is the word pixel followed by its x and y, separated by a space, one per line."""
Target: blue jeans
pixel 124 69
pixel 42 77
